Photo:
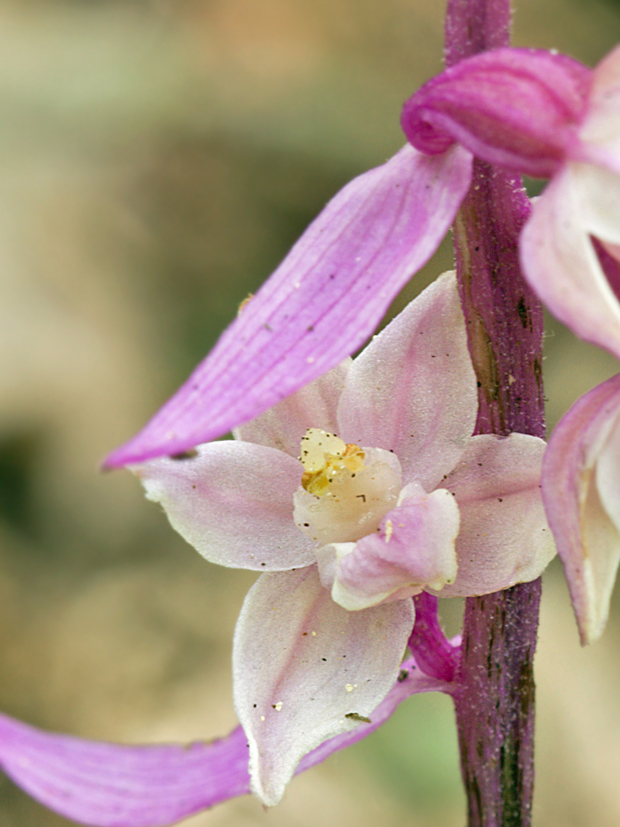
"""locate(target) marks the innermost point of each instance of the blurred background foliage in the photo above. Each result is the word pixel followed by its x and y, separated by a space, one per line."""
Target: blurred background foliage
pixel 157 159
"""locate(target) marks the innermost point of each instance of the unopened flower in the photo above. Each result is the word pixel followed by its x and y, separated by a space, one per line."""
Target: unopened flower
pixel 361 490
pixel 581 490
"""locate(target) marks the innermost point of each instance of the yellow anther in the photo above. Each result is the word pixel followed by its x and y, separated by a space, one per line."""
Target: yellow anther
pixel 325 458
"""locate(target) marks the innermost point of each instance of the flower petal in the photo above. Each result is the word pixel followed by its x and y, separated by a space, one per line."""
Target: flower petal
pixel 414 549
pixel 233 502
pixel 601 128
pixel 306 670
pixel 314 406
pixel 579 498
pixel 599 196
pixel 517 108
pixel 504 537
pixel 413 389
pixel 109 785
pixel 320 305
pixel 561 264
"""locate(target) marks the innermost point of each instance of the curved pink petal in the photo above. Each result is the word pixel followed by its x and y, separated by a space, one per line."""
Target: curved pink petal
pixel 109 785
pixel 413 549
pixel 320 305
pixel 233 501
pixel 517 108
pixel 313 406
pixel 413 389
pixel 577 497
pixel 504 537
pixel 306 670
pixel 559 261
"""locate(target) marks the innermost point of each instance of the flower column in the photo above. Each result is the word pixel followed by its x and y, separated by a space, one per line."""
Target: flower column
pixel 495 699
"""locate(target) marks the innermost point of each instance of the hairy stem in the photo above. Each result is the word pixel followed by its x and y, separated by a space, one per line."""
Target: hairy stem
pixel 494 699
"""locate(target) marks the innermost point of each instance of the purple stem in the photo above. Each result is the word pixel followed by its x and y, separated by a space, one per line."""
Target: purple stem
pixel 494 696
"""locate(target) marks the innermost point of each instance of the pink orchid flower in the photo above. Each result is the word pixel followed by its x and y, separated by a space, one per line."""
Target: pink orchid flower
pixel 581 489
pixel 319 643
pixel 549 116
pixel 392 496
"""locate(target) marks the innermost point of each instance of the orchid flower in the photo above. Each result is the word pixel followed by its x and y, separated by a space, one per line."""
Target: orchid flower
pixel 346 534
pixel 581 489
pixel 545 115
pixel 354 494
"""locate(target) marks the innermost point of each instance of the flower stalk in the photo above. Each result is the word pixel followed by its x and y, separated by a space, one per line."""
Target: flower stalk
pixel 494 699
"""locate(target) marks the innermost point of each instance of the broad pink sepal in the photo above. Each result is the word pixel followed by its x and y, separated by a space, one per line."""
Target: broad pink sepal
pixel 108 785
pixel 518 108
pixel 320 305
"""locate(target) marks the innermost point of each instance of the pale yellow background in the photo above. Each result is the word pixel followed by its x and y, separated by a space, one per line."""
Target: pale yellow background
pixel 156 161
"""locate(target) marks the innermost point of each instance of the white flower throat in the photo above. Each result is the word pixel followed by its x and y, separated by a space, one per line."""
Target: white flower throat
pixel 345 490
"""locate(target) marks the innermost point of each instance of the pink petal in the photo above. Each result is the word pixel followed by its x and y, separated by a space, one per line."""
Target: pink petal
pixel 579 498
pixel 413 389
pixel 560 263
pixel 233 502
pixel 320 305
pixel 504 537
pixel 314 406
pixel 414 549
pixel 302 664
pixel 108 785
pixel 518 108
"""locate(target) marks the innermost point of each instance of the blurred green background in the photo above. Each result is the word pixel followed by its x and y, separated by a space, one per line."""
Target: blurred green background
pixel 157 159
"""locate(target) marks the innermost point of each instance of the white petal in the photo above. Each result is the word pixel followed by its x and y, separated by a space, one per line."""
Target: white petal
pixel 413 389
pixel 601 126
pixel 314 406
pixel 233 502
pixel 561 265
pixel 598 191
pixel 302 664
pixel 504 537
pixel 413 550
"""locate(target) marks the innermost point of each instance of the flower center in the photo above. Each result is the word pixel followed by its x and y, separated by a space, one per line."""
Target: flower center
pixel 345 490
pixel 326 458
